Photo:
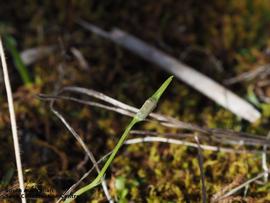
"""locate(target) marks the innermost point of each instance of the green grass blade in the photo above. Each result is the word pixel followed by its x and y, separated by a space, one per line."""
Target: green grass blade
pixel 150 104
pixel 162 88
pixel 144 111
pixel 11 46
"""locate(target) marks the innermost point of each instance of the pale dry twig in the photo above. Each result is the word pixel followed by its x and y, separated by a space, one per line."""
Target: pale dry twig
pixel 13 123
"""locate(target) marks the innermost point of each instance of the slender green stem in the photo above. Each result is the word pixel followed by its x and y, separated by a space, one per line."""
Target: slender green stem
pixel 144 111
pixel 107 164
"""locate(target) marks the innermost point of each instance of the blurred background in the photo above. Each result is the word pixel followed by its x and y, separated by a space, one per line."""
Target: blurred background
pixel 221 39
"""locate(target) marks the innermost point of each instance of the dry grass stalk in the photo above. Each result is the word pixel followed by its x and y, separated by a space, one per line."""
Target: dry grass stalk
pixel 13 123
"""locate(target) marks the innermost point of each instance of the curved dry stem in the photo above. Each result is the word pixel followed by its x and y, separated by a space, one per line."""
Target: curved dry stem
pixel 81 142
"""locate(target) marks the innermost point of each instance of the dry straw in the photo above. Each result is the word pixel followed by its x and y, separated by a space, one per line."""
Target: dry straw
pixel 13 122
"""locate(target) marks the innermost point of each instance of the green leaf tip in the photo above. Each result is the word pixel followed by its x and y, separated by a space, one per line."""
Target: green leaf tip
pixel 11 45
pixel 151 103
pixel 162 88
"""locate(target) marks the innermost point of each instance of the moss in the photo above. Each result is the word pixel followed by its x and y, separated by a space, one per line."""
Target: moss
pixel 235 32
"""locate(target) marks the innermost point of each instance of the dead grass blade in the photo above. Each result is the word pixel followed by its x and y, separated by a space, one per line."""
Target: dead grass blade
pixel 219 135
pixel 239 187
pixel 200 158
pixel 13 123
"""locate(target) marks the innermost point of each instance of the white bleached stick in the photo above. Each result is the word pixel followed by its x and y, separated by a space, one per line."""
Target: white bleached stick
pixel 13 122
pixel 195 79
